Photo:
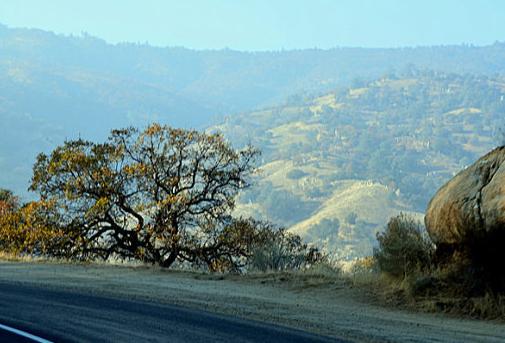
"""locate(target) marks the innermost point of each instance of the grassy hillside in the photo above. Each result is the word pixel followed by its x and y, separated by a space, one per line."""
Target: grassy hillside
pixel 337 166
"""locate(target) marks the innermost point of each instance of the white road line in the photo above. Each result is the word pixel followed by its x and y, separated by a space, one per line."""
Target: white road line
pixel 24 334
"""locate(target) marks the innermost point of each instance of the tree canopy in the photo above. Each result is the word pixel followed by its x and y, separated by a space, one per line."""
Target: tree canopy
pixel 155 195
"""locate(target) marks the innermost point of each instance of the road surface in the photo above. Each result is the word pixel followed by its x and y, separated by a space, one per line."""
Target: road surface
pixel 63 316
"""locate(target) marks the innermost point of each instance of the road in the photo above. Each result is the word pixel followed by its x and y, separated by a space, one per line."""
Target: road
pixel 63 316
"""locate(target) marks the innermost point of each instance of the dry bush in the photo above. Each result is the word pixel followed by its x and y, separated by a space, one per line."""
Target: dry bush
pixel 246 244
pixel 404 247
pixel 282 251
pixel 490 306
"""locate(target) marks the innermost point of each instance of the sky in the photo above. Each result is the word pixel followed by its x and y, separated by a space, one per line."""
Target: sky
pixel 256 25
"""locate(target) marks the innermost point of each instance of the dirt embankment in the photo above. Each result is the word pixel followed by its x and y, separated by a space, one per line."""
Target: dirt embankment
pixel 308 301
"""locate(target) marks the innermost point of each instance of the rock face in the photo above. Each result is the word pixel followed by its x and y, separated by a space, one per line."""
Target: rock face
pixel 470 208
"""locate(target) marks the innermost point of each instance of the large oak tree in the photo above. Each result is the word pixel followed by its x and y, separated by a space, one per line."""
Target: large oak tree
pixel 156 195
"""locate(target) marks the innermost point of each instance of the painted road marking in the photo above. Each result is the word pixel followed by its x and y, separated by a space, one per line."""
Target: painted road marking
pixel 24 334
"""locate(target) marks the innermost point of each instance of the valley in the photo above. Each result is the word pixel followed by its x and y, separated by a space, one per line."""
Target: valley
pixel 336 167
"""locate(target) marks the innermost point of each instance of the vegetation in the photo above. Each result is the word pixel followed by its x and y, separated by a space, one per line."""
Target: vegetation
pixel 247 245
pixel 417 277
pixel 283 251
pixel 351 218
pixel 8 202
pixel 296 174
pixel 404 247
pixel 55 87
pixel 386 147
pixel 158 196
pixel 8 216
pixel 22 228
pixel 336 165
pixel 408 130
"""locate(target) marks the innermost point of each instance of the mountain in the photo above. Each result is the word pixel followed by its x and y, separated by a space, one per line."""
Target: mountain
pixel 335 167
pixel 54 87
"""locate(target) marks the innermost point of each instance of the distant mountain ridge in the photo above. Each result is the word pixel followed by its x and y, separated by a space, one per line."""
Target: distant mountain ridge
pixel 54 87
pixel 232 81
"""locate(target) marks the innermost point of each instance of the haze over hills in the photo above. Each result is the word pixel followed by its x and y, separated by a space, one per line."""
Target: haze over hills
pixel 350 135
pixel 337 166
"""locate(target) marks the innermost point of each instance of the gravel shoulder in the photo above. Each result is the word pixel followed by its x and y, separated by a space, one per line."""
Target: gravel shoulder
pixel 314 303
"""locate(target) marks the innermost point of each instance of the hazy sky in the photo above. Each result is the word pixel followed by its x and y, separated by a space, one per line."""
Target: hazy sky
pixel 267 24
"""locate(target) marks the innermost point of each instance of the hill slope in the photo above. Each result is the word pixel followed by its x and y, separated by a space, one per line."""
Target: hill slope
pixel 337 166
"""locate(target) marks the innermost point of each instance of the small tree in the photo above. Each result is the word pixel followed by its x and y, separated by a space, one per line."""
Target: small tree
pixel 157 196
pixel 403 247
pixel 281 251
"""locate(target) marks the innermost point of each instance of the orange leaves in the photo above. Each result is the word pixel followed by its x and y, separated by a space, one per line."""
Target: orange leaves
pixel 5 208
pixel 9 216
pixel 136 169
pixel 102 173
pixel 153 129
pixel 26 230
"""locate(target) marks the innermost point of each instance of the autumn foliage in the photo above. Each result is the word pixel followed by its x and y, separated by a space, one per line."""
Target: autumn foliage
pixel 157 195
pixel 26 229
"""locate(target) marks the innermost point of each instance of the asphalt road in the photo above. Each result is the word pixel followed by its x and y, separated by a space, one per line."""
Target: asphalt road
pixel 6 336
pixel 12 338
pixel 63 316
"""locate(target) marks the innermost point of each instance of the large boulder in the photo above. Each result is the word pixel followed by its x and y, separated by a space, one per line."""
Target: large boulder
pixel 469 210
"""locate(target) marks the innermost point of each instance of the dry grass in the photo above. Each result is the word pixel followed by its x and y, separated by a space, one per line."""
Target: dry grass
pixel 10 257
pixel 320 275
pixel 431 293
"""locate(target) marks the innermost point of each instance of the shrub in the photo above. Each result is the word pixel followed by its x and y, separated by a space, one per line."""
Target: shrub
pixel 9 219
pixel 25 229
pixel 230 250
pixel 248 244
pixel 404 247
pixel 282 251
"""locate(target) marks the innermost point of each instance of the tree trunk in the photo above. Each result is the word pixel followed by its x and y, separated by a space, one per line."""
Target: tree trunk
pixel 166 263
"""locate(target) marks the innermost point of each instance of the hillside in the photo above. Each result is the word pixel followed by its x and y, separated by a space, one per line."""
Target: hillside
pixel 337 166
pixel 54 87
